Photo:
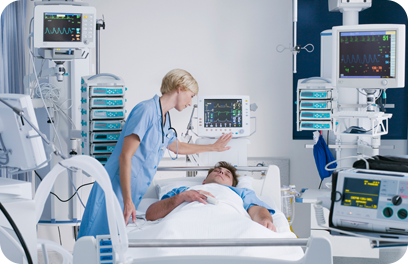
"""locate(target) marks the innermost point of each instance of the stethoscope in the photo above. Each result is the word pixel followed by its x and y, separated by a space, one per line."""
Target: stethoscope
pixel 170 128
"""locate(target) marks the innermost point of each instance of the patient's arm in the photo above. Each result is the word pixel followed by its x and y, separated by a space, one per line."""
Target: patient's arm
pixel 162 208
pixel 262 216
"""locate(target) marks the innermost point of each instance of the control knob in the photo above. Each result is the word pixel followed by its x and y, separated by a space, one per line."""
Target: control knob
pixel 396 200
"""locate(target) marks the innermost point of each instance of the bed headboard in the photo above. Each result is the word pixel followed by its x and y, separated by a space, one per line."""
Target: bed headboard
pixel 268 185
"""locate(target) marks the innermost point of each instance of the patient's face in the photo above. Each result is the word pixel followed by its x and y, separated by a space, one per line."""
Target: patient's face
pixel 220 176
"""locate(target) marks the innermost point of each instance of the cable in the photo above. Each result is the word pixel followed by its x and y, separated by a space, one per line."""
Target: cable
pixel 19 236
pixel 64 201
pixel 59 233
pixel 45 106
pixel 3 147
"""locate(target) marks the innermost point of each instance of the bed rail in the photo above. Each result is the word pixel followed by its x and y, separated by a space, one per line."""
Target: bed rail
pixel 206 168
pixel 243 242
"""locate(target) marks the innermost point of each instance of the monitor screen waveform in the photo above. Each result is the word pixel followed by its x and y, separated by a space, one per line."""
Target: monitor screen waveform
pixel 226 113
pixel 367 54
pixel 62 27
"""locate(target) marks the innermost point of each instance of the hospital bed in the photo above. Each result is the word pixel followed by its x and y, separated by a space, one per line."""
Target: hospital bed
pixel 145 247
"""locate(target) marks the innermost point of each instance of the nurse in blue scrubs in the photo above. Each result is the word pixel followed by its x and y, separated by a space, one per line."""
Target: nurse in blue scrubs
pixel 144 138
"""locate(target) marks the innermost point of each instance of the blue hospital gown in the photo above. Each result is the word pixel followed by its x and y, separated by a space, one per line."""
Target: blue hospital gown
pixel 248 197
pixel 144 121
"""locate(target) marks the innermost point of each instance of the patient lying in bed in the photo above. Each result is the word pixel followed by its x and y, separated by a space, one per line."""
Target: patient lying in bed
pixel 222 174
pixel 184 213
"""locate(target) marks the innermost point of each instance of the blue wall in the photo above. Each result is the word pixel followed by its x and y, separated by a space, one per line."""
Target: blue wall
pixel 313 18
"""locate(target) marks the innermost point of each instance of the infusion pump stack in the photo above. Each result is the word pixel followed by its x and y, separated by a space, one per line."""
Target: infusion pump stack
pixel 223 114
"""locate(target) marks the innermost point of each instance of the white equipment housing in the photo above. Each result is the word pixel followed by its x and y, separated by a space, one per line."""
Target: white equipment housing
pixel 16 197
pixel 27 150
pixel 233 111
pixel 372 200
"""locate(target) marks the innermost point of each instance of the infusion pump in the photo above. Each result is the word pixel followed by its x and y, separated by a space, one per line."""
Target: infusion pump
pixel 371 200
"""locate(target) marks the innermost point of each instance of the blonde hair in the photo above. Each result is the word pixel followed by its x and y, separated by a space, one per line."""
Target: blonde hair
pixel 178 78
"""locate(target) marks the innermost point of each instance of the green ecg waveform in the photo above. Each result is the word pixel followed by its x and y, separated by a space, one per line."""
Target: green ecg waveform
pixel 59 31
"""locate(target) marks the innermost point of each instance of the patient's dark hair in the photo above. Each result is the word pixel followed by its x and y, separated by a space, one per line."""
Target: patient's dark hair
pixel 228 166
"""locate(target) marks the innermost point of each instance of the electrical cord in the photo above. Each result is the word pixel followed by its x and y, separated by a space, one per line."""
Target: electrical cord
pixel 19 236
pixel 59 233
pixel 64 201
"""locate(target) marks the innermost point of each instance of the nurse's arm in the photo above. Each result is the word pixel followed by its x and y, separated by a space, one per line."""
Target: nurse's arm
pixel 162 208
pixel 130 145
pixel 186 148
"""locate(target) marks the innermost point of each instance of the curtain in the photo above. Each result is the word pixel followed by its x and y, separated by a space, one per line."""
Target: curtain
pixel 12 53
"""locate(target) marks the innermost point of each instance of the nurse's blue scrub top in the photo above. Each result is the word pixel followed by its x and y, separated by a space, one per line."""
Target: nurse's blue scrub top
pixel 144 121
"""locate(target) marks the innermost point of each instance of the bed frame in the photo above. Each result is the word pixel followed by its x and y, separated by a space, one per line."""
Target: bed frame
pixel 318 249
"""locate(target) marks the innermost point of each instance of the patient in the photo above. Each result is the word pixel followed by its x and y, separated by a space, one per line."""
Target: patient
pixel 223 174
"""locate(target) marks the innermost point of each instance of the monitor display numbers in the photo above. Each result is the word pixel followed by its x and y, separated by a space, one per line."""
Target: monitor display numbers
pixel 62 27
pixel 223 113
pixel 361 193
pixel 367 54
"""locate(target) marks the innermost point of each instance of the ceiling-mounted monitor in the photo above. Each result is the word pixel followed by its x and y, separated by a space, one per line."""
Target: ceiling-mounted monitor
pixel 369 56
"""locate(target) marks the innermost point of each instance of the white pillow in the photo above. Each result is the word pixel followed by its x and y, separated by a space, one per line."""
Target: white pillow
pixel 166 185
pixel 164 189
pixel 245 182
pixel 144 204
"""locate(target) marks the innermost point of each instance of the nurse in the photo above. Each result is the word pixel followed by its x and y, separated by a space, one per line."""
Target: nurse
pixel 141 145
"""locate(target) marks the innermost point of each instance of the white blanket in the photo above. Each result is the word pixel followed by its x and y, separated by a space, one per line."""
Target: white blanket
pixel 227 219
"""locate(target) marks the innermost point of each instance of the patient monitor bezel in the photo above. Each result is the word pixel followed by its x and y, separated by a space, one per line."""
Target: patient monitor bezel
pixel 243 131
pixel 39 11
pixel 374 83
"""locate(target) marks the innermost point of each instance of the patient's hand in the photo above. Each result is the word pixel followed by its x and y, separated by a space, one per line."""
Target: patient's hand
pixel 193 196
pixel 268 224
pixel 262 216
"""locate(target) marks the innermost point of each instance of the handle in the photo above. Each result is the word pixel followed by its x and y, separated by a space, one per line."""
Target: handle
pixel 316 78
pixel 104 74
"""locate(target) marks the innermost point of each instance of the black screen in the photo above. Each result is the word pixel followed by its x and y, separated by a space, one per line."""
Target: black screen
pixel 361 193
pixel 223 113
pixel 62 27
pixel 367 54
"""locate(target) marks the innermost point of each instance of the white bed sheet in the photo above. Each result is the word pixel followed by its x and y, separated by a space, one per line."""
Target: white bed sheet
pixel 228 219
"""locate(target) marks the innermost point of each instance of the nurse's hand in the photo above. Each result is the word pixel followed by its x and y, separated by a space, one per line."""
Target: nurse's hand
pixel 129 210
pixel 221 143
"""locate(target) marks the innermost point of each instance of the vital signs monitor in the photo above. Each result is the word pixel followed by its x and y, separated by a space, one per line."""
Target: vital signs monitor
pixel 369 56
pixel 64 26
pixel 219 115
